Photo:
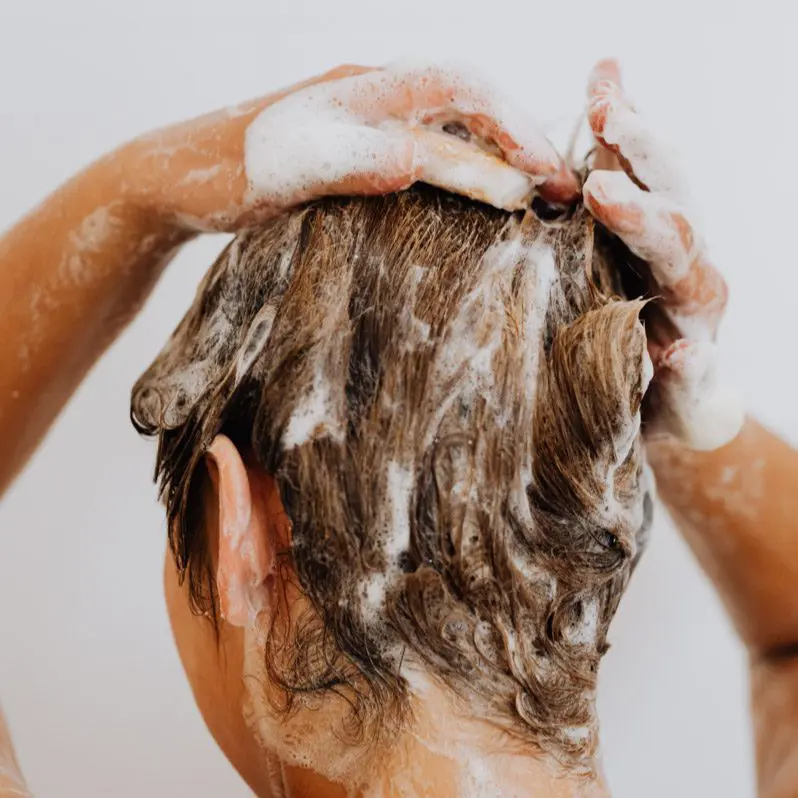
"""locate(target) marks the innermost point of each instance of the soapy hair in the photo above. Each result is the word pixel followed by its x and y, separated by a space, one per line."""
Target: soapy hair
pixel 448 400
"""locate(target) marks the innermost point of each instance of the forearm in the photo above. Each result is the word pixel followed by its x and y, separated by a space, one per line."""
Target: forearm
pixel 737 507
pixel 72 273
pixel 738 510
pixel 12 785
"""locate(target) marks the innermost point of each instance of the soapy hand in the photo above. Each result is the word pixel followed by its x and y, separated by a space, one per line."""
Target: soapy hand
pixel 354 130
pixel 638 192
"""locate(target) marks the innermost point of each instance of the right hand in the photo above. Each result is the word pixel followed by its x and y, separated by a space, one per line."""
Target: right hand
pixel 353 130
pixel 638 192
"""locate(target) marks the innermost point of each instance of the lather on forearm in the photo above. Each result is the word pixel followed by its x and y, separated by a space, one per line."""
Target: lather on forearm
pixel 738 509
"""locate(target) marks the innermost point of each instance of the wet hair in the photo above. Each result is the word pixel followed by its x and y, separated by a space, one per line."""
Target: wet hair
pixel 448 398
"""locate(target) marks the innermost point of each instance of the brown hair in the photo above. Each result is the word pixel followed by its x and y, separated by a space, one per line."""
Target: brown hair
pixel 449 403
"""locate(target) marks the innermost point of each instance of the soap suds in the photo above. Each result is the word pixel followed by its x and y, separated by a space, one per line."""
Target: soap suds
pixel 314 416
pixel 256 338
pixel 374 596
pixel 704 411
pixel 466 355
pixel 540 274
pixel 398 495
pixel 585 630
pixel 327 133
pixel 199 176
pixel 655 162
pixel 650 230
pixel 91 237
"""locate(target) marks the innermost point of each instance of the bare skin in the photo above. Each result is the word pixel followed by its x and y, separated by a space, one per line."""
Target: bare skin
pixel 77 268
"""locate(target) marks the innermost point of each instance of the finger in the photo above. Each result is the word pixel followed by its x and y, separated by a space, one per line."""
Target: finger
pixel 696 405
pixel 605 70
pixel 656 229
pixel 562 187
pixel 420 95
pixel 644 156
pixel 391 165
pixel 458 166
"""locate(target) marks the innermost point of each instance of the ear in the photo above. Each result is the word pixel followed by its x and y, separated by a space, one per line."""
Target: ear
pixel 246 545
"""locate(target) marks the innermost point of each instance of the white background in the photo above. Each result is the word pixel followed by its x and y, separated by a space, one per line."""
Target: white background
pixel 88 673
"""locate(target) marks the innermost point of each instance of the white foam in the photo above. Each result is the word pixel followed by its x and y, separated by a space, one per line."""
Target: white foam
pixel 374 593
pixel 95 229
pixel 654 161
pixel 648 372
pixel 323 135
pixel 257 335
pixel 657 239
pixel 313 416
pixel 466 355
pixel 399 494
pixel 199 176
pixel 540 274
pixel 89 238
pixel 183 388
pixel 577 735
pixel 584 632
pixel 486 179
pixel 706 412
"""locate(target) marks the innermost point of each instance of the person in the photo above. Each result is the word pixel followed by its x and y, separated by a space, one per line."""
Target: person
pixel 111 230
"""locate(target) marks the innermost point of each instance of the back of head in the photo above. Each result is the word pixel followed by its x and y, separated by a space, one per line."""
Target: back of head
pixel 449 404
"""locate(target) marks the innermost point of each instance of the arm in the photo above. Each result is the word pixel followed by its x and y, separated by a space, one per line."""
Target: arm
pixel 12 785
pixel 737 507
pixel 737 502
pixel 738 510
pixel 74 271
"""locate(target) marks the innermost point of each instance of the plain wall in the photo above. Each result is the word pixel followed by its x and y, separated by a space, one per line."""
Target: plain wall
pixel 88 672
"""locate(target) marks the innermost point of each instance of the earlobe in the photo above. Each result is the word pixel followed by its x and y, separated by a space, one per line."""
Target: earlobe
pixel 246 551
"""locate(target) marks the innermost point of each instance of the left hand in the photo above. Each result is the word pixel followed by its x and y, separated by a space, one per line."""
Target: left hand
pixel 638 192
pixel 354 130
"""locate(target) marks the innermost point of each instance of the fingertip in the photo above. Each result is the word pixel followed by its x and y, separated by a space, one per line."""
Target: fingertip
pixel 401 169
pixel 597 114
pixel 610 185
pixel 611 197
pixel 594 190
pixel 674 357
pixel 540 161
pixel 607 69
pixel 562 187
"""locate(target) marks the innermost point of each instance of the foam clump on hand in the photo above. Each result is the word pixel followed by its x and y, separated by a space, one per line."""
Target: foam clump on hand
pixel 703 411
pixel 382 131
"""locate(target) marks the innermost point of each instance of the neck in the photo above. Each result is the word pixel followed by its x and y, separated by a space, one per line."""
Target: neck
pixel 449 755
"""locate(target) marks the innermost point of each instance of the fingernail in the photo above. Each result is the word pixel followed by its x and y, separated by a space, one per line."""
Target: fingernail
pixel 562 186
pixel 606 70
